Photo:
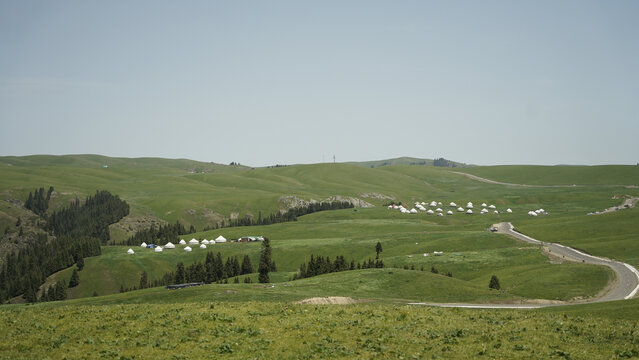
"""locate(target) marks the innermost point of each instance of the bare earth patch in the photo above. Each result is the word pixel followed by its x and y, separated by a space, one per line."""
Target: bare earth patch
pixel 330 300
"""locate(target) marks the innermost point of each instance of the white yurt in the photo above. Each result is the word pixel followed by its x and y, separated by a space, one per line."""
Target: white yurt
pixel 205 242
pixel 158 249
pixel 182 242
pixel 449 212
pixel 143 245
pixel 188 249
pixel 509 210
pixel 440 214
pixel 413 211
pixel 439 210
pixel 193 242
pixel 491 206
pixel 469 205
pixel 460 209
pixel 433 203
pixel 542 210
pixel 483 204
pixel 130 251
pixel 483 211
pixel 496 212
pixel 439 203
pixel 430 212
pixel 220 239
pixel 423 203
pixel 453 204
pixel 211 242
pixel 469 211
pixel 202 246
pixel 402 210
pixel 169 245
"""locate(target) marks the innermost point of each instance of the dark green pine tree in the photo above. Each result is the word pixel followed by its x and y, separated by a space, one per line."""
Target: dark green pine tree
pixel 265 262
pixel 247 267
pixel 378 249
pixel 75 279
pixel 494 283
pixel 180 275
pixel 80 263
pixel 60 290
pixel 144 280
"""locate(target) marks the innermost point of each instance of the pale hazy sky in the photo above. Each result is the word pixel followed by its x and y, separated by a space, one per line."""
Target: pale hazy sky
pixel 265 82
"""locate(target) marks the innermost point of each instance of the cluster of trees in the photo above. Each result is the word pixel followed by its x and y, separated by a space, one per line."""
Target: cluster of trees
pixel 433 269
pixel 38 202
pixel 319 265
pixel 89 219
pixel 24 271
pixel 55 292
pixel 79 230
pixel 212 270
pixel 289 215
pixel 443 163
pixel 160 235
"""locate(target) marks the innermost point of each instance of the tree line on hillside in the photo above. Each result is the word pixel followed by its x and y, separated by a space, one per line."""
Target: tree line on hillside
pixel 73 229
pixel 158 235
pixel 318 265
pixel 279 217
pixel 213 270
pixel 24 271
pixel 89 219
pixel 38 202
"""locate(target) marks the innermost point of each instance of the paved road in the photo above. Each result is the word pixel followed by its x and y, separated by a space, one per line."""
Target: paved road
pixel 625 286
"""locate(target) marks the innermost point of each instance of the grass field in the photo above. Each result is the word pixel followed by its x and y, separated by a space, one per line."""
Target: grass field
pixel 256 329
pixel 471 253
pixel 559 175
pixel 239 318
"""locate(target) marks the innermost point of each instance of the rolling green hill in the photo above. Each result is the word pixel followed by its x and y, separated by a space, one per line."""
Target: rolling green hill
pixel 237 319
pixel 559 175
pixel 400 161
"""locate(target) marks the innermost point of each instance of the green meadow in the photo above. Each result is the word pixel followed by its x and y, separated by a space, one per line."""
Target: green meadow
pixel 278 330
pixel 239 318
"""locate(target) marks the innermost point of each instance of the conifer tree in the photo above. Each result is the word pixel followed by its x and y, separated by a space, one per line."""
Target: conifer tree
pixel 143 280
pixel 378 249
pixel 494 283
pixel 75 279
pixel 80 263
pixel 247 267
pixel 180 274
pixel 265 262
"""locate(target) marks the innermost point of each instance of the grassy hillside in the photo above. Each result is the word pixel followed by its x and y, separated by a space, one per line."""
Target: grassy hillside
pixel 559 175
pixel 471 253
pixel 213 328
pixel 399 161
pixel 169 190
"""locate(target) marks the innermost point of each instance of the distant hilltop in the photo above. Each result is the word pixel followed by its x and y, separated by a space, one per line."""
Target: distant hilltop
pixel 441 162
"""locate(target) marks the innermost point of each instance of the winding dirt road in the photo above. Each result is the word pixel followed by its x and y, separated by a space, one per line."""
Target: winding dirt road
pixel 625 286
